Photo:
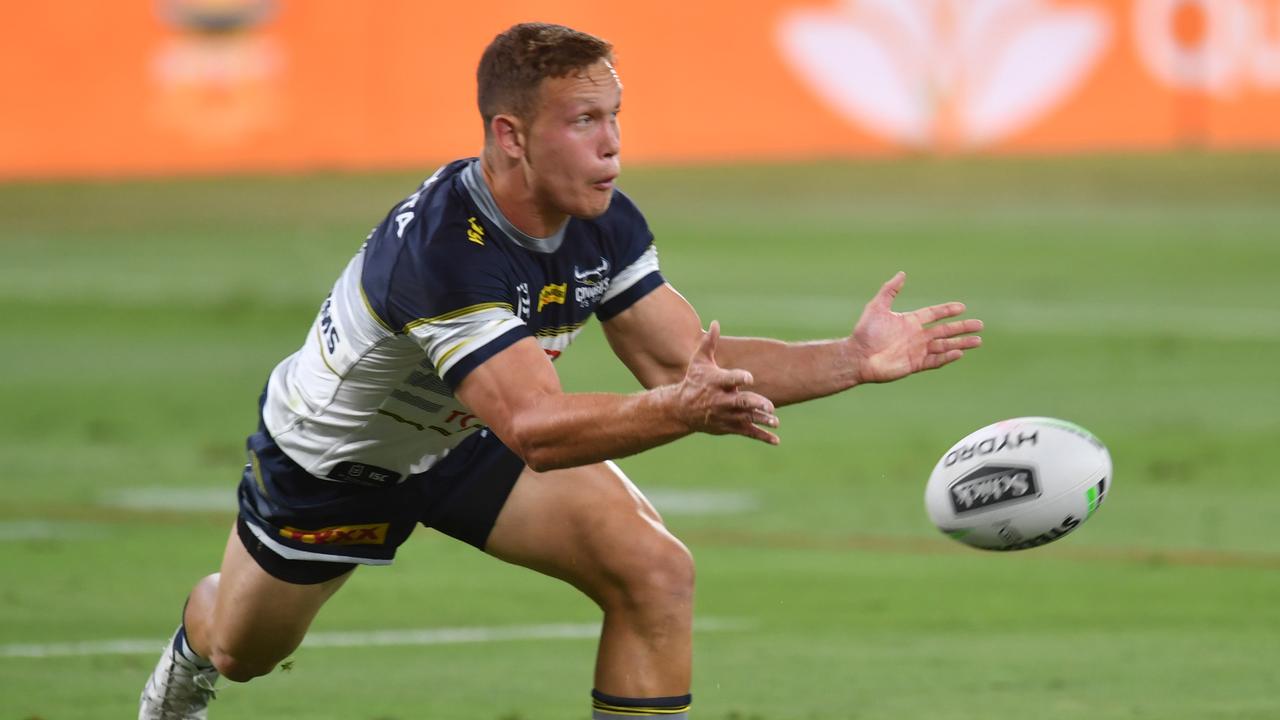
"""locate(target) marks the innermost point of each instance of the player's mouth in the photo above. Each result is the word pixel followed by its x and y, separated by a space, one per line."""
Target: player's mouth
pixel 605 183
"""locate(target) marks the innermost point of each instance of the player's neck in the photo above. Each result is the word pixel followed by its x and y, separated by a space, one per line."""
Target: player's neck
pixel 516 201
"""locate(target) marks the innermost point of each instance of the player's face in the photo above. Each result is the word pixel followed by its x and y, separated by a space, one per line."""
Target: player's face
pixel 573 143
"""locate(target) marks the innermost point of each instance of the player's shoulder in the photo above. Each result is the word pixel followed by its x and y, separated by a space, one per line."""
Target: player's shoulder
pixel 622 229
pixel 431 253
pixel 436 221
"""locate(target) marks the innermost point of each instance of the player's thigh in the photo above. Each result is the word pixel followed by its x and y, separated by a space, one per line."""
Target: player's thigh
pixel 258 617
pixel 591 527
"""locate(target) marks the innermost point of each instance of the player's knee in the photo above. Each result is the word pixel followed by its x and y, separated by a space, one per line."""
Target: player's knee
pixel 656 573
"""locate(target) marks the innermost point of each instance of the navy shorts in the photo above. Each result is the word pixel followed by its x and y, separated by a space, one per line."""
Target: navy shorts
pixel 304 529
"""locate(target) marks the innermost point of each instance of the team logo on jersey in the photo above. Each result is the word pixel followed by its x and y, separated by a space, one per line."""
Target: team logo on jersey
pixel 375 534
pixel 552 293
pixel 592 276
pixel 475 233
pixel 594 283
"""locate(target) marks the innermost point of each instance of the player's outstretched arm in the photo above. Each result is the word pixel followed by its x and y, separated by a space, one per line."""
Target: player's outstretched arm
pixel 518 395
pixel 885 345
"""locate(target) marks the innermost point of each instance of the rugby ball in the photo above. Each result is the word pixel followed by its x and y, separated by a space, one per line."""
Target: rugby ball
pixel 1018 483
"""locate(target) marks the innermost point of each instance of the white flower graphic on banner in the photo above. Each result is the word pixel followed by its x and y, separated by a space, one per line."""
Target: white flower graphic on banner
pixel 943 73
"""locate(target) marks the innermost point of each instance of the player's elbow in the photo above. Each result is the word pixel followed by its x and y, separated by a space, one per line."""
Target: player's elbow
pixel 541 462
pixel 526 441
pixel 540 458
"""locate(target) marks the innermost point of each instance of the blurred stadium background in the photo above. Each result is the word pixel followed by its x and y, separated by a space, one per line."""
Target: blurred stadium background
pixel 1098 179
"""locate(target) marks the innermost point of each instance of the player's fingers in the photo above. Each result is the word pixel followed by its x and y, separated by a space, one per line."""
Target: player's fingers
pixel 756 433
pixel 749 403
pixel 889 290
pixel 760 417
pixel 937 360
pixel 934 313
pixel 959 327
pixel 730 379
pixel 964 342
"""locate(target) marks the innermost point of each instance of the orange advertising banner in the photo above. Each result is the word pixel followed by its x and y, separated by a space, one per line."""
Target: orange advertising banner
pixel 109 88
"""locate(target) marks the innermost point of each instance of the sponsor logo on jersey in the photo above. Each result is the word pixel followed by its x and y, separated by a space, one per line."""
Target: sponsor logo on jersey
pixel 475 233
pixel 552 293
pixel 375 534
pixel 991 486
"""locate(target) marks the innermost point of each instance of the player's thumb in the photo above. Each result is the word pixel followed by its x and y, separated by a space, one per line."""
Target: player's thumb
pixel 707 345
pixel 889 291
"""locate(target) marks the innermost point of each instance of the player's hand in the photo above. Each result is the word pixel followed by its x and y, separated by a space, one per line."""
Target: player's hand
pixel 888 345
pixel 714 399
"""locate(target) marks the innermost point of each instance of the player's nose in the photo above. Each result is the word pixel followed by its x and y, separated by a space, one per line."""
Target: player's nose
pixel 611 145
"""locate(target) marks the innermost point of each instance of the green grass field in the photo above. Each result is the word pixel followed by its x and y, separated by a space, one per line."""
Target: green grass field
pixel 1134 295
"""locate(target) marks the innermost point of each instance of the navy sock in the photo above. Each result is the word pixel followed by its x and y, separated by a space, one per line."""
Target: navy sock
pixel 612 707
pixel 183 649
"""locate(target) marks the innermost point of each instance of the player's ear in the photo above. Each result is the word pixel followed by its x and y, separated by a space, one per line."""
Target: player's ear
pixel 508 135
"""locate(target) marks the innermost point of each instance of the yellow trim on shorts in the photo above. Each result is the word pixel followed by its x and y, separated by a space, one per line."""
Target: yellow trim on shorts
pixel 257 473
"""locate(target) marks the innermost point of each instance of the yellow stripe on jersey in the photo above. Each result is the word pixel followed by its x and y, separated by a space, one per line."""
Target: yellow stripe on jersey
pixel 561 330
pixel 460 312
pixel 369 307
pixel 449 353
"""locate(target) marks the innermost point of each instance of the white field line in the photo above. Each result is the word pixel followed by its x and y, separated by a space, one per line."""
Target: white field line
pixel 372 638
pixel 25 530
pixel 830 314
pixel 695 501
pixel 202 499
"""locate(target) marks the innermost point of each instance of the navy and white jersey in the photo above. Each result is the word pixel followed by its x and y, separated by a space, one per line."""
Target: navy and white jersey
pixel 441 285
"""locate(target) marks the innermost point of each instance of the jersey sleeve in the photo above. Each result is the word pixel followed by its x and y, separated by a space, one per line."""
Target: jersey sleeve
pixel 635 270
pixel 437 285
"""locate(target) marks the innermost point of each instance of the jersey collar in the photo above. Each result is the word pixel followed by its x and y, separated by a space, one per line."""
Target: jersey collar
pixel 473 179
